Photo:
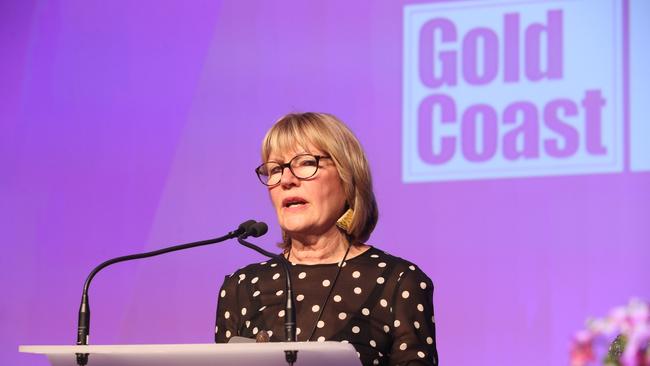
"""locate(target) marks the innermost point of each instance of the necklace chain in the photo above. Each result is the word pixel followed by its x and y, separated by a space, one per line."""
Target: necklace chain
pixel 329 294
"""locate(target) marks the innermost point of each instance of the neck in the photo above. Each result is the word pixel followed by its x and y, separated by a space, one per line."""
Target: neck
pixel 317 249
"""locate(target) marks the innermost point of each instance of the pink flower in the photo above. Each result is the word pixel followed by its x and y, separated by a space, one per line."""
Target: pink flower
pixel 631 321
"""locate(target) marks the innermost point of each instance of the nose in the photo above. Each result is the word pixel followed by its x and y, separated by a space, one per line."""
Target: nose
pixel 288 179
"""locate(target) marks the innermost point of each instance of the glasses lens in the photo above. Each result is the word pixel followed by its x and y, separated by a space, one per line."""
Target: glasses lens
pixel 270 173
pixel 304 166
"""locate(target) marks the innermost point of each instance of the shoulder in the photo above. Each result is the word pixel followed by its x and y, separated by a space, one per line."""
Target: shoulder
pixel 250 271
pixel 394 261
pixel 403 268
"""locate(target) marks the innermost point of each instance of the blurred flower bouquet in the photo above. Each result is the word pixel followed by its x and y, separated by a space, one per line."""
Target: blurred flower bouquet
pixel 628 327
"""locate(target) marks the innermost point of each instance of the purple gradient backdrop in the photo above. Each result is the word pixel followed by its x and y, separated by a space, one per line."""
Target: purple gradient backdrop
pixel 128 126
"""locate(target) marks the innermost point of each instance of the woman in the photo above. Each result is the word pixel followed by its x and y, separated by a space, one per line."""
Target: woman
pixel 345 290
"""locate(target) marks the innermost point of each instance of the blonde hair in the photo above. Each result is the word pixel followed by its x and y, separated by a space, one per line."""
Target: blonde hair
pixel 328 134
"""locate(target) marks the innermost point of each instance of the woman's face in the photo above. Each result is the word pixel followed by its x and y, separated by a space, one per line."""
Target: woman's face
pixel 310 206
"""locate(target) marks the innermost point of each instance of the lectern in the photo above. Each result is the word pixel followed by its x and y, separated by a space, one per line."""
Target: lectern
pixel 238 354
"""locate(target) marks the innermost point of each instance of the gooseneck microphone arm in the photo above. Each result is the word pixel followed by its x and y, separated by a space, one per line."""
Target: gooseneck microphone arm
pixel 83 326
pixel 257 230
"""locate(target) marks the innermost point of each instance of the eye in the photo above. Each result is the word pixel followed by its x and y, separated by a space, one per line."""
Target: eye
pixel 275 169
pixel 305 161
pixel 308 162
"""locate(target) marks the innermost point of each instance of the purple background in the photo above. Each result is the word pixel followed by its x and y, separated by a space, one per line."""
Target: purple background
pixel 128 126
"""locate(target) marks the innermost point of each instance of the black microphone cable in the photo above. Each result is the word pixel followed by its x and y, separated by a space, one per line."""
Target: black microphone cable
pixel 83 325
pixel 256 230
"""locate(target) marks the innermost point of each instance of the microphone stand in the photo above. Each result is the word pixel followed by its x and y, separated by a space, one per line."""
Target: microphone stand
pixel 83 325
pixel 290 313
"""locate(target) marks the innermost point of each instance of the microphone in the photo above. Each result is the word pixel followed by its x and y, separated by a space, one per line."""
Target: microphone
pixel 256 230
pixel 244 227
pixel 83 324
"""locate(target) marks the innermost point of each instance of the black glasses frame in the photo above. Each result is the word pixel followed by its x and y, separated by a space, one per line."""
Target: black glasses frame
pixel 261 176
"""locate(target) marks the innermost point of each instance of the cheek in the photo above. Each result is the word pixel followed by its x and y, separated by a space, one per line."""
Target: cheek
pixel 333 198
pixel 275 199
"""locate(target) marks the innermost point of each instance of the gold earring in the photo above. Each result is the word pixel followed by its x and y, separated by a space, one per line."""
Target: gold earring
pixel 345 222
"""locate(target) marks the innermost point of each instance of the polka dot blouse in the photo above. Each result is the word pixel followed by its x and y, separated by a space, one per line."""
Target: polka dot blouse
pixel 380 304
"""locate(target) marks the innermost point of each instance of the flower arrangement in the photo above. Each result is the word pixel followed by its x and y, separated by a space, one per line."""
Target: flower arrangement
pixel 628 326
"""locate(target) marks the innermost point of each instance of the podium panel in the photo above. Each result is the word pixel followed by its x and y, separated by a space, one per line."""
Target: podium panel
pixel 244 354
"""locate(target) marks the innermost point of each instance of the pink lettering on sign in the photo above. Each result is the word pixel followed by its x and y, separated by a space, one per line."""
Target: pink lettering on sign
pixel 508 89
pixel 477 56
pixel 559 116
pixel 522 129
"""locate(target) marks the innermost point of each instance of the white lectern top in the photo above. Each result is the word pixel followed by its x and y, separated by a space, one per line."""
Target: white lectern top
pixel 253 354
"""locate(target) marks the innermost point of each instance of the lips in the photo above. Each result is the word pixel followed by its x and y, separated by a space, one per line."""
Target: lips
pixel 293 202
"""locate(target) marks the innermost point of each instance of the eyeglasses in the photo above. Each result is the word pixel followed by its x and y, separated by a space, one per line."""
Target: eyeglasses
pixel 303 166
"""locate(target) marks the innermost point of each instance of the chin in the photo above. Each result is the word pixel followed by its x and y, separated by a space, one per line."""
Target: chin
pixel 295 229
pixel 293 224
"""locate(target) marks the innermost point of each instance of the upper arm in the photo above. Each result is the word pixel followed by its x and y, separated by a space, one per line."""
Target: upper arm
pixel 414 334
pixel 228 318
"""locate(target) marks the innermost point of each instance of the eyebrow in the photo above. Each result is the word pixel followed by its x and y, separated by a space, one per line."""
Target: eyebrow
pixel 300 153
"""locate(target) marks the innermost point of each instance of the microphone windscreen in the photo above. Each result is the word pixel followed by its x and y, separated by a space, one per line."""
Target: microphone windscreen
pixel 245 226
pixel 258 229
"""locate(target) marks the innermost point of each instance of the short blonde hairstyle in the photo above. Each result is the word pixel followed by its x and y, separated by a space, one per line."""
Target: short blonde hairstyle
pixel 328 134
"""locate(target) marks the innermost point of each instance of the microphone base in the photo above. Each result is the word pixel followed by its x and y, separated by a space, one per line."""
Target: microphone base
pixel 291 356
pixel 82 359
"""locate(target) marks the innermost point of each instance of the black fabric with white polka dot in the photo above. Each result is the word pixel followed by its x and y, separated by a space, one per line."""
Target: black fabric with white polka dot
pixel 381 304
